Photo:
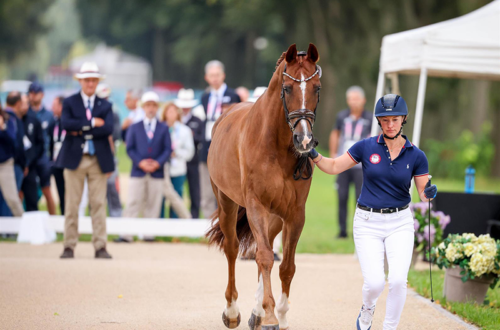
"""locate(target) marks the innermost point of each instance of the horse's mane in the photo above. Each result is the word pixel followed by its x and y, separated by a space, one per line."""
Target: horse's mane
pixel 282 57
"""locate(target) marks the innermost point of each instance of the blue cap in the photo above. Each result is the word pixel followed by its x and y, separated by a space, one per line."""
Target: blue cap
pixel 35 88
pixel 391 105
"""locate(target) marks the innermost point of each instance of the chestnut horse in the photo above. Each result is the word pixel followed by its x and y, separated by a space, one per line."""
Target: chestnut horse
pixel 257 162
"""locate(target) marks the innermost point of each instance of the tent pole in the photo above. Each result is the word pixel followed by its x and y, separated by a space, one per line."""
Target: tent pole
pixel 417 127
pixel 378 94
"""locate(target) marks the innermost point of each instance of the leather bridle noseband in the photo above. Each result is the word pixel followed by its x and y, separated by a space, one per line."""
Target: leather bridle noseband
pixel 301 114
pixel 303 166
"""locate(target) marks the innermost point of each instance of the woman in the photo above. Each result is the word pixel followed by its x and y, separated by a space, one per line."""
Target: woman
pixel 383 222
pixel 8 185
pixel 182 148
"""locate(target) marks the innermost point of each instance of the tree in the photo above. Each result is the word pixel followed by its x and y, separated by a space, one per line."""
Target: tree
pixel 20 24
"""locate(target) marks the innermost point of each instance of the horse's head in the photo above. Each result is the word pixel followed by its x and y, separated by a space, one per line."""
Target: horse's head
pixel 300 94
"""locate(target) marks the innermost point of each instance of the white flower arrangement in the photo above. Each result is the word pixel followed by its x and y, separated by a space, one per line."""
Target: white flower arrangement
pixel 477 256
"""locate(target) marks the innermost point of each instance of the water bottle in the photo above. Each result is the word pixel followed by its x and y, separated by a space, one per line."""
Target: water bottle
pixel 470 174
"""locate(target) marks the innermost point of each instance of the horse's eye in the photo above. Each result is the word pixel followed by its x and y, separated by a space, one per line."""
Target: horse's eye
pixel 288 89
pixel 318 88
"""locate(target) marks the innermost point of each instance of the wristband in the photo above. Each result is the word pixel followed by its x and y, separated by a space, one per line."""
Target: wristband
pixel 318 160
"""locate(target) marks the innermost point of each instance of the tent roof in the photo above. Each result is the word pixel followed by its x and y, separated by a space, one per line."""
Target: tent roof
pixel 465 47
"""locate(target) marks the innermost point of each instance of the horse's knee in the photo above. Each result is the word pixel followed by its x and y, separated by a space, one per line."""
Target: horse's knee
pixel 265 259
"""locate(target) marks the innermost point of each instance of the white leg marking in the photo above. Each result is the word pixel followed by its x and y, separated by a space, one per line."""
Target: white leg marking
pixel 282 308
pixel 259 297
pixel 232 311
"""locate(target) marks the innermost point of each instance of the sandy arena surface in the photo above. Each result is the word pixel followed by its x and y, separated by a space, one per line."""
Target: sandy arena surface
pixel 177 286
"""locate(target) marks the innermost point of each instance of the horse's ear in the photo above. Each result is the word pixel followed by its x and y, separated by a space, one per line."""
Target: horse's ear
pixel 312 53
pixel 291 53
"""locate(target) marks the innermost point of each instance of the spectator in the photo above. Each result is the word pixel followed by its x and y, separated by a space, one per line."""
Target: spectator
pixel 185 100
pixel 34 147
pixel 136 114
pixel 7 154
pixel 86 153
pixel 13 109
pixel 149 147
pixel 243 93
pixel 182 148
pixel 42 165
pixel 112 194
pixel 353 124
pixel 57 135
pixel 212 100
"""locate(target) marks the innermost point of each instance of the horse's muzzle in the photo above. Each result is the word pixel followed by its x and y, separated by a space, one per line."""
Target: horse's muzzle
pixel 303 142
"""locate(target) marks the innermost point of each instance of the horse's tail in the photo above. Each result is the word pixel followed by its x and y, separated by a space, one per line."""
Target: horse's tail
pixel 245 237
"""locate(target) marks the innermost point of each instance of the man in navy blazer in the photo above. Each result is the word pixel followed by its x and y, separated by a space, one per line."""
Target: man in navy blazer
pixel 86 154
pixel 149 146
pixel 212 102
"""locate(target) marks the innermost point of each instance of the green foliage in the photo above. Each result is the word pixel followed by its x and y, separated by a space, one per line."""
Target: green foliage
pixel 486 316
pixel 449 159
pixel 20 24
pixel 476 256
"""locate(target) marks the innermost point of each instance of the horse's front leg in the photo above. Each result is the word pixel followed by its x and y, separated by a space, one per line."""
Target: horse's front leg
pixel 263 316
pixel 292 228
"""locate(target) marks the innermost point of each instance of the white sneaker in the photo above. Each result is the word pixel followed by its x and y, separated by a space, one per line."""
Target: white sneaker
pixel 365 317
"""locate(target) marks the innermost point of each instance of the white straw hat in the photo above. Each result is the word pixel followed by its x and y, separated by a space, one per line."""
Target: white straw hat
pixel 185 98
pixel 258 91
pixel 150 96
pixel 89 70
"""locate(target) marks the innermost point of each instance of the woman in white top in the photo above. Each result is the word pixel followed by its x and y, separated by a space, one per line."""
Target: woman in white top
pixel 182 147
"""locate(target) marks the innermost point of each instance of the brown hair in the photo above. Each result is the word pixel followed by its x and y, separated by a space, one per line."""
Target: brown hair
pixel 163 116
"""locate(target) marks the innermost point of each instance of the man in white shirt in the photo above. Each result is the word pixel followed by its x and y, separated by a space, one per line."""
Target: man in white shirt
pixel 212 102
pixel 86 154
pixel 136 113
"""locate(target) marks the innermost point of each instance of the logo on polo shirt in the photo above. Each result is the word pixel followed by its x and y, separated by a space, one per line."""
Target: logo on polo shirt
pixel 375 158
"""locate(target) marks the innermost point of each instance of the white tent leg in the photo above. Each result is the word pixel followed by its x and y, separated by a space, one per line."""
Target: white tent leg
pixel 417 127
pixel 378 94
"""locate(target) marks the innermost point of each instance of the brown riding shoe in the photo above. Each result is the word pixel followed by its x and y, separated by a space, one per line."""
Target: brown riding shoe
pixel 102 254
pixel 67 254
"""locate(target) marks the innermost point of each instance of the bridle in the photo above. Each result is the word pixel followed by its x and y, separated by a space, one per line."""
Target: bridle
pixel 303 164
pixel 301 114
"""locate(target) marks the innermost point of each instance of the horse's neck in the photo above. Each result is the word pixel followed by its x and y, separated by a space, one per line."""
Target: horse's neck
pixel 270 116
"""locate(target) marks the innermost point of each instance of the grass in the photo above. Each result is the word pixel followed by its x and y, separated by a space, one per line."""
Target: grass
pixel 486 316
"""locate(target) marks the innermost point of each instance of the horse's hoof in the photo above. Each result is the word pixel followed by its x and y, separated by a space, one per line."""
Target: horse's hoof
pixel 231 323
pixel 271 327
pixel 254 322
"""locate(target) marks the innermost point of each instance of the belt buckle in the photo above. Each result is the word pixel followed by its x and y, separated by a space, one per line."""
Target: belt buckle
pixel 382 210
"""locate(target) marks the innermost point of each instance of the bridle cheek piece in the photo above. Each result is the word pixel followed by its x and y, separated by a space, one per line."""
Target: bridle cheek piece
pixel 300 114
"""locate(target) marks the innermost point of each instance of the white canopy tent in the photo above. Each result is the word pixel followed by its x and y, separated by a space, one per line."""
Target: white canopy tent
pixel 463 47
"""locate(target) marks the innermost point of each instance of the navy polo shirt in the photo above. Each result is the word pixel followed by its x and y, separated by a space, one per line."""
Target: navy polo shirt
pixel 386 182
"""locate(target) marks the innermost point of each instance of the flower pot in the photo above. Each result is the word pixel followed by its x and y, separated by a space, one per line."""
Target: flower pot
pixel 414 258
pixel 472 290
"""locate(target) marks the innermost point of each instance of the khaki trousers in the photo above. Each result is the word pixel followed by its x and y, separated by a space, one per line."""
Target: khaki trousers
pixel 73 181
pixel 144 196
pixel 208 200
pixel 176 201
pixel 9 188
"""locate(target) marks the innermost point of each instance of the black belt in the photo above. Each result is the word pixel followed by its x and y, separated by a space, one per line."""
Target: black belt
pixel 386 210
